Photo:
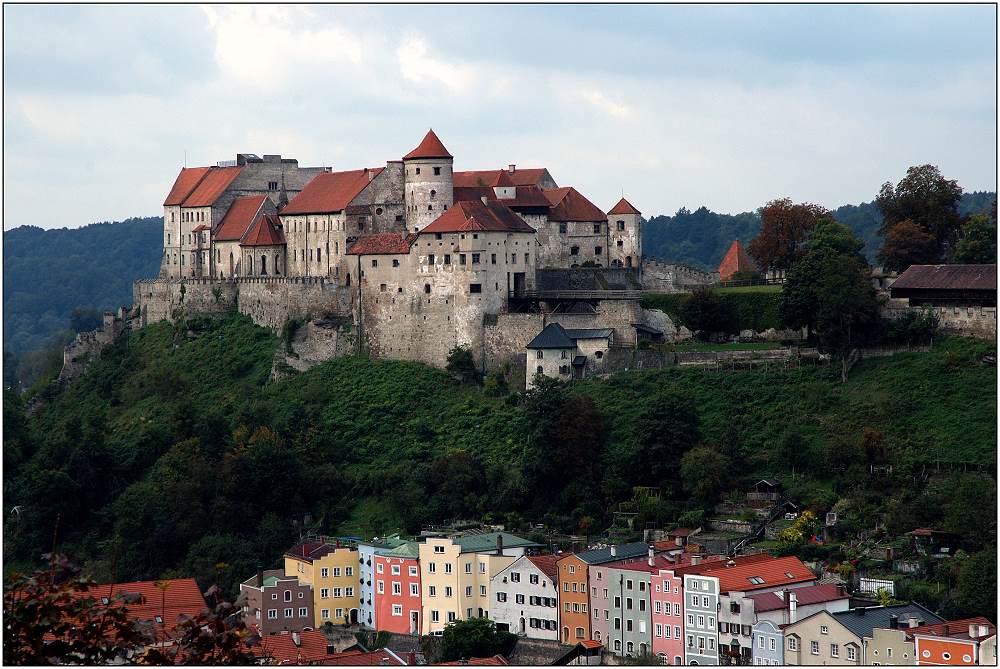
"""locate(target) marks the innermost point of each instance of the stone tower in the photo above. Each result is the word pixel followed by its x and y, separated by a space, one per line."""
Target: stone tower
pixel 625 235
pixel 428 185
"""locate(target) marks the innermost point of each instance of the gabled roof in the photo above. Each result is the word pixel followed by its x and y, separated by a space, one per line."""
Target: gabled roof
pixel 265 232
pixel 475 216
pixel 947 277
pixel 589 333
pixel 144 601
pixel 211 186
pixel 736 260
pixel 862 620
pixel 552 335
pixel 811 594
pixel 186 181
pixel 660 562
pixel 519 177
pixel 496 660
pixel 527 199
pixel 546 564
pixel 603 555
pixel 956 629
pixel 310 549
pixel 568 204
pixel 411 550
pixel 624 207
pixel 360 658
pixel 763 574
pixel 384 243
pixel 312 647
pixel 430 147
pixel 487 541
pixel 330 192
pixel 237 221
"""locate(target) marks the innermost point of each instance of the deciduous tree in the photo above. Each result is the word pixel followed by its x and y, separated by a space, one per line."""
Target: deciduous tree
pixel 925 198
pixel 906 243
pixel 785 227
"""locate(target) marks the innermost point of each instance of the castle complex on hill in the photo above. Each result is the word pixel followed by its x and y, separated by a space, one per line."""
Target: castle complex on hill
pixel 415 258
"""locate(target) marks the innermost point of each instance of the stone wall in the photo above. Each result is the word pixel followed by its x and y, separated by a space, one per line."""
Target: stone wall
pixel 86 346
pixel 673 278
pixel 314 342
pixel 966 321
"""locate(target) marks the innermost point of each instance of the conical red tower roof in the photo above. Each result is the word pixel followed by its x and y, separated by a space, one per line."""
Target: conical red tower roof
pixel 624 207
pixel 736 260
pixel 430 147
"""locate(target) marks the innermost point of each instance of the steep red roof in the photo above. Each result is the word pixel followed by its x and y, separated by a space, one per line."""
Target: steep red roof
pixel 529 199
pixel 212 185
pixel 567 204
pixel 519 177
pixel 330 192
pixel 145 601
pixel 429 147
pixel 496 660
pixel 623 207
pixel 385 243
pixel 475 216
pixel 811 594
pixel 282 649
pixel 956 629
pixel 184 184
pixel 546 564
pixel 769 573
pixel 736 260
pixel 265 232
pixel 716 561
pixel 238 219
pixel 358 658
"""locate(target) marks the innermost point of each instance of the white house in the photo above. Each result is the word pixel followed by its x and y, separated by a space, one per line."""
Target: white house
pixel 526 597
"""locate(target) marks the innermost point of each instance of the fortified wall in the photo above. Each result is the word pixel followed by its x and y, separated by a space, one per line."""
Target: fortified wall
pixel 87 345
pixel 968 321
pixel 673 278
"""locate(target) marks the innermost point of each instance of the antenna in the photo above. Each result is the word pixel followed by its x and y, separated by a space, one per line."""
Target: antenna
pixel 185 157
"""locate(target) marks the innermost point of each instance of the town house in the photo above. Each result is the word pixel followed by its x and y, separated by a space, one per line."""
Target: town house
pixel 526 597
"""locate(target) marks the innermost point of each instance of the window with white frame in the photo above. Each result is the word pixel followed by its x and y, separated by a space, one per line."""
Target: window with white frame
pixel 272 614
pixel 814 647
pixel 397 610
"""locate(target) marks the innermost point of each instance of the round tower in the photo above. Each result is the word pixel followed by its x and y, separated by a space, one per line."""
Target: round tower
pixel 428 188
pixel 625 233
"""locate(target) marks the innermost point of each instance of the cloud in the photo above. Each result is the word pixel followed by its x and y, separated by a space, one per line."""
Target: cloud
pixel 606 104
pixel 418 66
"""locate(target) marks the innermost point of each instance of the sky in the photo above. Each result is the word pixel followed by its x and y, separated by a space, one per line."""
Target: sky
pixel 726 106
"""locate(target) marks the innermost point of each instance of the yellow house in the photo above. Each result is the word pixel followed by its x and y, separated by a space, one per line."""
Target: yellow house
pixel 333 572
pixel 455 575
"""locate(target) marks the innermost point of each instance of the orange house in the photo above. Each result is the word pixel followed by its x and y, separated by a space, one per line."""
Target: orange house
pixel 954 643
pixel 574 616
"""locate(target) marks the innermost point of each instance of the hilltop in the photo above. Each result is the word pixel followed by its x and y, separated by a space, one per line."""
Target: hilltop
pixel 175 451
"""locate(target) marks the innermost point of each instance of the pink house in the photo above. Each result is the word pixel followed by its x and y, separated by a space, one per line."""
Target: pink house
pixel 396 584
pixel 667 595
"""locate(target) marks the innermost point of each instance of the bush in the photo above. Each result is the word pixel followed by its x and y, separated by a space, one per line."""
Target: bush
pixel 731 312
pixel 462 365
pixel 911 329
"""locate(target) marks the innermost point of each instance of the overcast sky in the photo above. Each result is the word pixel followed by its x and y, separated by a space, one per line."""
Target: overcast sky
pixel 722 106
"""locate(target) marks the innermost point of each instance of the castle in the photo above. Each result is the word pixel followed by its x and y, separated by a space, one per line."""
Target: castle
pixel 418 257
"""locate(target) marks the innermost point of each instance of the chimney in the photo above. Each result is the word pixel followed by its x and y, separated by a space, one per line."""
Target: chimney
pixel 730 563
pixel 894 622
pixel 371 175
pixel 913 622
pixel 510 168
pixel 614 550
pixel 260 577
pixel 695 559
pixel 296 639
pixel 793 605
pixel 330 649
pixel 499 544
pixel 652 557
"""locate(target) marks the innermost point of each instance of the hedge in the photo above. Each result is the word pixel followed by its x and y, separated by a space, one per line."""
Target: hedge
pixel 755 311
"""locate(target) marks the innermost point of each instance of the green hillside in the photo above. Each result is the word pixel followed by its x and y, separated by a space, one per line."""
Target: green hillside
pixel 175 452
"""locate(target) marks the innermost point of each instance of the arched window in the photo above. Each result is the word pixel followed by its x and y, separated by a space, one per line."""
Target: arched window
pixel 231 268
pixel 250 267
pixel 618 644
pixel 430 207
pixel 433 193
pixel 263 264
pixel 277 267
pixel 629 647
pixel 540 354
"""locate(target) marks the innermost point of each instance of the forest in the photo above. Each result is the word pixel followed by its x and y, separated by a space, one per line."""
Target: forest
pixel 176 453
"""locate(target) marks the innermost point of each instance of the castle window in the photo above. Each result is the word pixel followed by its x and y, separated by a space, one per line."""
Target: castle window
pixel 446 207
pixel 599 355
pixel 318 257
pixel 171 217
pixel 597 228
pixel 621 225
pixel 563 354
pixel 381 287
pixel 395 262
pixel 427 288
pixel 437 235
pixel 461 258
pixel 399 218
pixel 563 369
pixel 272 185
pixel 430 258
pixel 539 369
pixel 493 258
pixel 562 228
pixel 447 259
pixel 475 287
pixel 437 172
pixel 574 250
pixel 430 207
pixel 418 170
pixel 540 354
pixel 475 258
pixel 598 250
pixel 168 236
pixel 378 211
pixel 361 224
pixel 374 262
pixel 527 259
pixel 433 193
pixel 620 243
pixel 263 264
pixel 310 255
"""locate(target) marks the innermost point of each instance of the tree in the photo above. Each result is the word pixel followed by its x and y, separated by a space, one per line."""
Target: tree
pixel 462 365
pixel 785 227
pixel 906 243
pixel 704 473
pixel 85 320
pixel 977 585
pixel 978 243
pixel 704 313
pixel 928 200
pixel 475 637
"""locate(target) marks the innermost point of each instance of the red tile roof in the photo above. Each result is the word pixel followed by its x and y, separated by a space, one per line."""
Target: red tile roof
pixel 429 147
pixel 773 572
pixel 527 199
pixel 590 644
pixel 680 532
pixel 496 660
pixel 948 277
pixel 715 561
pixel 211 186
pixel 546 564
pixel 520 177
pixel 238 219
pixel 310 550
pixel 200 228
pixel 386 243
pixel 265 232
pixel 331 191
pixel 475 216
pixel 179 597
pixel 623 207
pixel 567 204
pixel 956 629
pixel 282 649
pixel 184 184
pixel 360 658
pixel 811 594
pixel 736 260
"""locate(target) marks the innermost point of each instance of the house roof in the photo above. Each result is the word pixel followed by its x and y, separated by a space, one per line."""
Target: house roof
pixel 769 573
pixel 660 562
pixel 473 216
pixel 211 186
pixel 623 207
pixel 430 147
pixel 956 629
pixel 265 232
pixel 360 658
pixel 411 549
pixel 185 182
pixel 527 199
pixel 947 277
pixel 331 192
pixel 862 620
pixel 311 549
pixel 567 204
pixel 603 555
pixel 927 532
pixel 496 660
pixel 487 541
pixel 589 333
pixel 145 600
pixel 238 219
pixel 736 260
pixel 383 243
pixel 680 532
pixel 282 648
pixel 811 594
pixel 519 177
pixel 552 335
pixel 546 564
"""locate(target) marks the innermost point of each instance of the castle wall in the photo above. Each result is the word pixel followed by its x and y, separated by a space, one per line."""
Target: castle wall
pixel 967 321
pixel 555 247
pixel 625 245
pixel 673 278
